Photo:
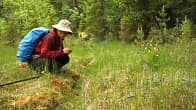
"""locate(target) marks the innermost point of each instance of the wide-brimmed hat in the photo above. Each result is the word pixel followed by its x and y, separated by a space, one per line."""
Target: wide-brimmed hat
pixel 63 25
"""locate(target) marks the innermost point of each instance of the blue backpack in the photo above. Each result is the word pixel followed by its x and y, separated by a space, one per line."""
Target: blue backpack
pixel 29 43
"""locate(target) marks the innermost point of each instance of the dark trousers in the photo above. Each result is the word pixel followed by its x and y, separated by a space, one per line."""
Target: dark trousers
pixel 40 64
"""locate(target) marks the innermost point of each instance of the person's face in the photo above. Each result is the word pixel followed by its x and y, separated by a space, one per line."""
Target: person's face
pixel 62 34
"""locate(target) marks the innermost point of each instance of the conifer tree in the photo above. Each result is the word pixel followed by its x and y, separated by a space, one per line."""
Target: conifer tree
pixel 162 19
pixel 94 20
pixel 186 29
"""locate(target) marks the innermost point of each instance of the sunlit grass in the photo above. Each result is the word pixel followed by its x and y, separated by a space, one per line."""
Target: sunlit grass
pixel 11 67
pixel 124 76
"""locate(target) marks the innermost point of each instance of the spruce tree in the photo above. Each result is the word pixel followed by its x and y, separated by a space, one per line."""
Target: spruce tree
pixel 95 19
pixel 162 19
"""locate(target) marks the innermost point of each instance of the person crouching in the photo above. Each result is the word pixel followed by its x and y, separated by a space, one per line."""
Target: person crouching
pixel 50 53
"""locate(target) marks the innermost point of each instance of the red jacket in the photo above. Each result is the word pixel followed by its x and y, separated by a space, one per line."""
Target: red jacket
pixel 48 50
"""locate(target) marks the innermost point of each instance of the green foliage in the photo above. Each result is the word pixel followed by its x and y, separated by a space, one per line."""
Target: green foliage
pixel 19 17
pixel 162 20
pixel 186 28
pixel 75 19
pixel 152 54
pixel 117 75
pixel 113 15
pixel 94 19
pixel 154 34
pixel 193 32
pixel 128 30
pixel 62 8
pixel 99 19
pixel 140 34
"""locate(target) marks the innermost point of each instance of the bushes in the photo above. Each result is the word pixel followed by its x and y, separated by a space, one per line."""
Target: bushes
pixel 101 19
pixel 128 30
pixel 21 16
pixel 94 19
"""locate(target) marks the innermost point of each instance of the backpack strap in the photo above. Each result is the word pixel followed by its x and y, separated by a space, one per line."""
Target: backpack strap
pixel 53 44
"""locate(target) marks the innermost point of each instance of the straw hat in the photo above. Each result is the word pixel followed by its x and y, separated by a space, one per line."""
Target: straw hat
pixel 63 25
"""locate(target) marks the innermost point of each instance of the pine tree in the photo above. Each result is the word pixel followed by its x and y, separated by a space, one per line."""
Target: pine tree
pixel 186 29
pixel 94 19
pixel 162 20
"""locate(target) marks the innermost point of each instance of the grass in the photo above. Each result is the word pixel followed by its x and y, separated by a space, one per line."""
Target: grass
pixel 11 67
pixel 121 76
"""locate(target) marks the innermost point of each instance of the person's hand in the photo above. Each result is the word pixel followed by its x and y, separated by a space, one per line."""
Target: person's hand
pixel 67 50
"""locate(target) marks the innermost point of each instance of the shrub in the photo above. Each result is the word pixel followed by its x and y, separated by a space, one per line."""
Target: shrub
pixel 128 30
pixel 155 34
pixel 140 34
pixel 23 16
pixel 186 29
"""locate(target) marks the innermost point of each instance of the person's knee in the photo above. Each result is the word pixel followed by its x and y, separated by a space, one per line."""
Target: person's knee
pixel 67 59
pixel 62 61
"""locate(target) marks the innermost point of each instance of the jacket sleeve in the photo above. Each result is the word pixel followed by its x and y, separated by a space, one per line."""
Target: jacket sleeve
pixel 46 49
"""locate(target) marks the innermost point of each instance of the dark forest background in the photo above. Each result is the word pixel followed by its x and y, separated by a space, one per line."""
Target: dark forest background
pixel 124 20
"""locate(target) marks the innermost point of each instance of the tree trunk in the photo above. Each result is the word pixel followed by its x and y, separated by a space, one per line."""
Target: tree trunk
pixel 74 4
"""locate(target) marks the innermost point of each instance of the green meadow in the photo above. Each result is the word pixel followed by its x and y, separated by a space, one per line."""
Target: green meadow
pixel 115 76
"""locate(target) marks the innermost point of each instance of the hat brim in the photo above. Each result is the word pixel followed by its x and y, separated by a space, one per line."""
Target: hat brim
pixel 56 26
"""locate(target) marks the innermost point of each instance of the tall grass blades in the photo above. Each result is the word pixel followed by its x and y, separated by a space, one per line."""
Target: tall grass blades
pixel 116 76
